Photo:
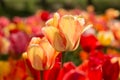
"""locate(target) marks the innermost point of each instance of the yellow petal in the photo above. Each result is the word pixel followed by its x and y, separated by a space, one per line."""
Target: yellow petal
pixel 56 17
pixel 48 51
pixel 24 55
pixel 76 45
pixel 35 40
pixel 53 21
pixel 49 22
pixel 71 28
pixel 35 55
pixel 54 37
pixel 80 19
pixel 86 27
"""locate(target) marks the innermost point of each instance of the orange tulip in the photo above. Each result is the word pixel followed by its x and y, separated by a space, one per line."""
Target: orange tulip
pixel 64 32
pixel 41 54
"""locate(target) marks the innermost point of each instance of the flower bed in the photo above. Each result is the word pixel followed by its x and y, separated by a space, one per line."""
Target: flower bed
pixel 66 45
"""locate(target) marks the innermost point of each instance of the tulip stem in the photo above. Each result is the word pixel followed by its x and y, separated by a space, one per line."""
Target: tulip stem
pixel 41 75
pixel 63 59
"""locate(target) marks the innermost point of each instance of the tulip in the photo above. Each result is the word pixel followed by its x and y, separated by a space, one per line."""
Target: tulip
pixel 89 43
pixel 111 69
pixel 45 15
pixel 105 37
pixel 64 32
pixel 41 54
pixel 34 73
pixel 66 68
pixel 74 75
pixel 108 64
pixel 53 73
pixel 18 41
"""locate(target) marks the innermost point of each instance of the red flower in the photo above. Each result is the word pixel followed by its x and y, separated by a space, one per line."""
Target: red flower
pixel 110 70
pixel 53 73
pixel 96 58
pixel 95 73
pixel 107 69
pixel 90 72
pixel 89 42
pixel 66 68
pixel 74 75
pixel 45 15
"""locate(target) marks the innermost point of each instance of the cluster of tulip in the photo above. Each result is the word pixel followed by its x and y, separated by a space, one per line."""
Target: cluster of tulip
pixel 16 33
pixel 48 38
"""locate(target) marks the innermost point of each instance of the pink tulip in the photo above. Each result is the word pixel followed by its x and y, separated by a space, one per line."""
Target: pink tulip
pixel 41 54
pixel 64 32
pixel 19 41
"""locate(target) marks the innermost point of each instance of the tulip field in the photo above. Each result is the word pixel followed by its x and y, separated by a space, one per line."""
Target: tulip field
pixel 73 44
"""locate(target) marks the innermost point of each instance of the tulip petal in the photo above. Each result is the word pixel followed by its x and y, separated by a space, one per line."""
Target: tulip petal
pixel 49 22
pixel 54 37
pixel 35 40
pixel 49 52
pixel 86 27
pixel 53 21
pixel 35 55
pixel 71 28
pixel 74 75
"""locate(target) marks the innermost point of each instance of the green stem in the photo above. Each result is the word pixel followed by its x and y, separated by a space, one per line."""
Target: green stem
pixel 41 75
pixel 63 59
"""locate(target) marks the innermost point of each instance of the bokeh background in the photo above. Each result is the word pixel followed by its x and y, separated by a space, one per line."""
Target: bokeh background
pixel 11 8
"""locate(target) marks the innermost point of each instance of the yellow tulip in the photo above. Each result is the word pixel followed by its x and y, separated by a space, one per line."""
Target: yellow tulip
pixel 41 54
pixel 64 32
pixel 105 37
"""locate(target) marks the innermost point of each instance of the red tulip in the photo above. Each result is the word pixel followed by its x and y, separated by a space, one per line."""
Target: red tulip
pixel 95 73
pixel 66 68
pixel 74 75
pixel 45 15
pixel 110 70
pixel 89 42
pixel 90 72
pixel 53 73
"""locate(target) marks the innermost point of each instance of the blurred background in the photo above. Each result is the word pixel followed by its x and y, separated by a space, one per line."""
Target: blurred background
pixel 12 8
